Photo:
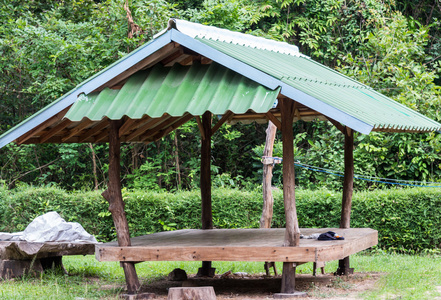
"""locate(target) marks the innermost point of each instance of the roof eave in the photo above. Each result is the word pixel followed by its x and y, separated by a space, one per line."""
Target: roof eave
pixel 85 87
pixel 270 82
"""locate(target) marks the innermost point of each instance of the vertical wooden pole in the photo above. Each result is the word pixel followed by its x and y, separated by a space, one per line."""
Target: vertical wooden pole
pixel 116 205
pixel 207 217
pixel 268 200
pixel 348 186
pixel 292 231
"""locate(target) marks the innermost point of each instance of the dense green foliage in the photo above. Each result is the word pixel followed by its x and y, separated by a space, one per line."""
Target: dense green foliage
pixel 407 220
pixel 49 47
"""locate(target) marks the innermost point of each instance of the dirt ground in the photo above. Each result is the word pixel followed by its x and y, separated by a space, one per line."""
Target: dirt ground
pixel 260 287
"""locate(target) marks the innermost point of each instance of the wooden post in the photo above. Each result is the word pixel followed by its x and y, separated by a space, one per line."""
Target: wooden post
pixel 207 217
pixel 116 205
pixel 348 186
pixel 268 200
pixel 292 231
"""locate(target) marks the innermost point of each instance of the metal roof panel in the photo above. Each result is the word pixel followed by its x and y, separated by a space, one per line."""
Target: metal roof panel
pixel 330 87
pixel 175 91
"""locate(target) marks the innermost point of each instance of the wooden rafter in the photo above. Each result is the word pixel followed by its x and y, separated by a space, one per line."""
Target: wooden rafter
pixel 186 61
pixel 156 57
pixel 176 125
pixel 142 130
pixel 54 130
pixel 99 138
pixel 162 123
pixel 219 123
pixel 128 125
pixel 94 130
pixel 33 132
pixel 76 130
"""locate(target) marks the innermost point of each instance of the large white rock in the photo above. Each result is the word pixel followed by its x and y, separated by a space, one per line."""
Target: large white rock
pixel 50 227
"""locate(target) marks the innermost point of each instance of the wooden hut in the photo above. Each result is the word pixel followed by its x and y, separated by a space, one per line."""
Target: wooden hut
pixel 195 71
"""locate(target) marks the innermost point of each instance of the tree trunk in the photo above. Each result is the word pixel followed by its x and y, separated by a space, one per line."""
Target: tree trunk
pixel 95 177
pixel 292 231
pixel 116 205
pixel 268 200
pixel 178 169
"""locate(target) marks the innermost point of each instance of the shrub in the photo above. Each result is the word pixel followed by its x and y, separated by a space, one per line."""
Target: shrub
pixel 407 219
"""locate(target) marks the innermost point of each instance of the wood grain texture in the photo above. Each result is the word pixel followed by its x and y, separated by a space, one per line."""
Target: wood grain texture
pixel 116 205
pixel 268 200
pixel 237 245
pixel 18 250
pixel 292 226
pixel 191 293
pixel 348 182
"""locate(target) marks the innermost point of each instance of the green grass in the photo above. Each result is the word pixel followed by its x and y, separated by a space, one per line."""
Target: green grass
pixel 405 277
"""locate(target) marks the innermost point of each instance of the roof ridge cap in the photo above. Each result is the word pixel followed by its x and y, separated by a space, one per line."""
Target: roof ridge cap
pixel 210 32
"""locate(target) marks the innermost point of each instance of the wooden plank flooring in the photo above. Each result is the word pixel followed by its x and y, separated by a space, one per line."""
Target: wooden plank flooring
pixel 237 245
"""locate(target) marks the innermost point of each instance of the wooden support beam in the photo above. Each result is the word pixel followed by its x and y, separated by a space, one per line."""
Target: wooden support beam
pixel 292 230
pixel 268 200
pixel 163 123
pixel 348 182
pixel 173 58
pixel 156 57
pixel 201 128
pixel 101 136
pixel 53 131
pixel 128 125
pixel 219 123
pixel 144 128
pixel 116 205
pixel 205 182
pixel 39 128
pixel 292 226
pixel 348 187
pixel 94 130
pixel 337 124
pixel 206 60
pixel 76 130
pixel 274 120
pixel 172 127
pixel 187 61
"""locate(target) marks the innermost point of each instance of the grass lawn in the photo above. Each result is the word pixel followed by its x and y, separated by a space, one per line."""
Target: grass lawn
pixel 405 277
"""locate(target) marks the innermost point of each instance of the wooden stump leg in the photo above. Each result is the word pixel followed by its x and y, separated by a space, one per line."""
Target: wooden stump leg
pixel 206 270
pixel 17 268
pixel 319 264
pixel 53 263
pixel 191 293
pixel 269 265
pixel 289 282
pixel 344 267
pixel 288 278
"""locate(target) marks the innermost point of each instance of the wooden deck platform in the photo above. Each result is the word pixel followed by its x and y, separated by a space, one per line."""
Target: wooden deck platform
pixel 237 245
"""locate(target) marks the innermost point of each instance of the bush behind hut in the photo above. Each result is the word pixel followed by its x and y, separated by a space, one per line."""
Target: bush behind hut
pixel 407 219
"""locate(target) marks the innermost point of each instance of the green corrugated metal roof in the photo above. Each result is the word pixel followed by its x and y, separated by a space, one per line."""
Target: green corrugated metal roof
pixel 329 86
pixel 175 91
